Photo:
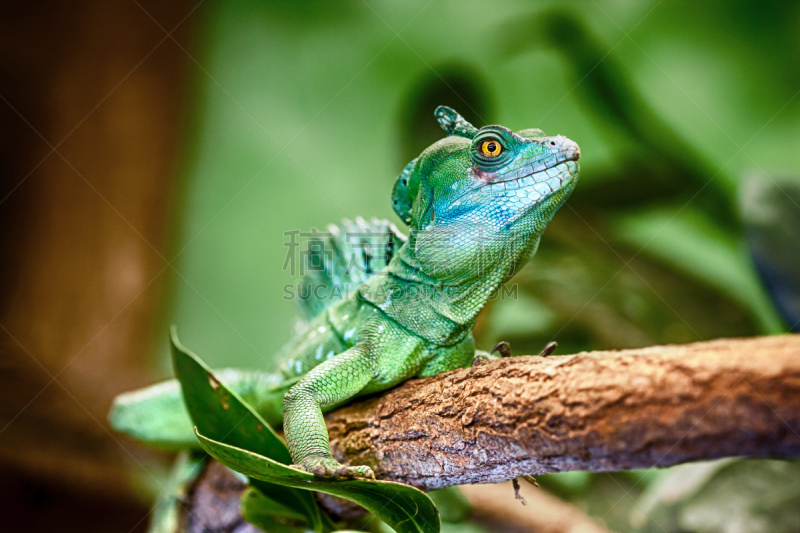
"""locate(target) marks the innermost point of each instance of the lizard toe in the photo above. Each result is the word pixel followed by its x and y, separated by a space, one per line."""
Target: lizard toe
pixel 361 472
pixel 329 467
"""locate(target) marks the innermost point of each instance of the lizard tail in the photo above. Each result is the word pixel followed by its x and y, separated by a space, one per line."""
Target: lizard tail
pixel 157 416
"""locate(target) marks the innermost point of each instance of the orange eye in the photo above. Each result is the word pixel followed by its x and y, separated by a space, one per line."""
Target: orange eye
pixel 491 148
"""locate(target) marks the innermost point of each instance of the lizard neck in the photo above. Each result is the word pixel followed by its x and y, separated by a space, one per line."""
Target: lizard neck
pixel 458 299
pixel 443 309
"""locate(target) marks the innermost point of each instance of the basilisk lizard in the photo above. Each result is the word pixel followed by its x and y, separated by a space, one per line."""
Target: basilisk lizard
pixel 476 204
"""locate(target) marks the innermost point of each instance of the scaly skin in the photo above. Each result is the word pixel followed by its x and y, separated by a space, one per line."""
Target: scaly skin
pixel 474 217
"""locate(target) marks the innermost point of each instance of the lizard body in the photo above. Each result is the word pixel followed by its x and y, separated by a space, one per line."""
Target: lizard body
pixel 476 203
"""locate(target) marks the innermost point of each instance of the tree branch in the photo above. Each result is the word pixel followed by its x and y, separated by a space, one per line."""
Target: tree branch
pixel 598 411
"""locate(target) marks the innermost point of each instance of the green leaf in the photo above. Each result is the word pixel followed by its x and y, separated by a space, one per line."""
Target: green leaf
pixel 464 527
pixel 270 515
pixel 221 413
pixel 404 508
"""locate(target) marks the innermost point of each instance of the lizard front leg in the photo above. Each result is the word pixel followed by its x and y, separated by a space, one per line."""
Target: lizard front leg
pixel 328 384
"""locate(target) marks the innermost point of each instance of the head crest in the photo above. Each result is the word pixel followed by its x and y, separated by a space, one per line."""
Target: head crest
pixel 453 123
pixel 407 185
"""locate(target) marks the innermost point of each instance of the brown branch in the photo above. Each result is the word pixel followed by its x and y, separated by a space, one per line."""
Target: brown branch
pixel 599 411
pixel 594 411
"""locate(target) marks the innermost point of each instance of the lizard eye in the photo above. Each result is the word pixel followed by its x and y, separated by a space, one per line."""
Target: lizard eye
pixel 491 148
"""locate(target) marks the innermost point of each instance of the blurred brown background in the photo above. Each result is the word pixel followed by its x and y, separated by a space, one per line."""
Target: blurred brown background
pixel 93 106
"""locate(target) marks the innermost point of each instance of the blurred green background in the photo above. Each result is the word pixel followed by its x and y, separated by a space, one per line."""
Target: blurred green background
pixel 305 113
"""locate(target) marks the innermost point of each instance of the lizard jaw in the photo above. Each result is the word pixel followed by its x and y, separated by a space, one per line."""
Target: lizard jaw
pixel 526 186
pixel 535 185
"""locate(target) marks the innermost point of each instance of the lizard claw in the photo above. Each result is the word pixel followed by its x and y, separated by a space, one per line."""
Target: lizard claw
pixel 517 495
pixel 550 348
pixel 531 480
pixel 481 357
pixel 329 467
pixel 503 348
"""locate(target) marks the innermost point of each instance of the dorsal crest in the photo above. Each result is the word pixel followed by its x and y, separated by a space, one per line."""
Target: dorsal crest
pixel 402 195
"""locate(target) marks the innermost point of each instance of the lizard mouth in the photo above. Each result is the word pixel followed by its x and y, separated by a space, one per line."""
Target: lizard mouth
pixel 535 181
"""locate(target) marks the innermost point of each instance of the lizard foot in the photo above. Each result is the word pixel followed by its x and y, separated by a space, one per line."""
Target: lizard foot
pixel 329 467
pixel 502 347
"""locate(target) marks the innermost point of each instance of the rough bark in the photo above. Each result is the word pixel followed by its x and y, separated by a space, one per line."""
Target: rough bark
pixel 599 411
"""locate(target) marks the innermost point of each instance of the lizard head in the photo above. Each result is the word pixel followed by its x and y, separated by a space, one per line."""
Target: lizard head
pixel 483 193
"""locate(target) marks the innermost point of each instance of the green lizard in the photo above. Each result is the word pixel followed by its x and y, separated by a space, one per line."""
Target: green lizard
pixel 476 203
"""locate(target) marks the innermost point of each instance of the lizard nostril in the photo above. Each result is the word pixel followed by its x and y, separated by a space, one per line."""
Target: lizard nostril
pixel 552 143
